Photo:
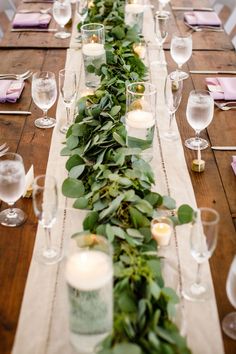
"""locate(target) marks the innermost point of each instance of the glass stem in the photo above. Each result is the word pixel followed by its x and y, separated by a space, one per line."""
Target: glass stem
pixel 170 122
pixel 197 135
pixel 48 238
pixel 45 114
pixel 11 212
pixel 62 28
pixel 198 276
pixel 67 115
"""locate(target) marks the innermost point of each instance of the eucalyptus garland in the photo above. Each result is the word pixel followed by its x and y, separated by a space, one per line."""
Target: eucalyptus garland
pixel 114 185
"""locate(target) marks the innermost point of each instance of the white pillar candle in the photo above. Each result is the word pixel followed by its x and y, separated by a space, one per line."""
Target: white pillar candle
pixel 161 232
pixel 89 270
pixel 93 49
pixel 140 50
pixel 139 119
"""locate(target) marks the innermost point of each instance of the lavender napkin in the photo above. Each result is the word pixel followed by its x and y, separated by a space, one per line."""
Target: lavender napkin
pixel 222 88
pixel 233 164
pixel 10 90
pixel 31 20
pixel 202 18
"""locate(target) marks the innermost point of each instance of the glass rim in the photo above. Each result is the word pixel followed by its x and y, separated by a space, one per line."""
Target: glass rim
pixel 97 237
pixel 199 91
pixel 213 212
pixel 162 14
pixel 51 73
pixel 12 154
pixel 144 83
pixel 181 36
pixel 92 24
pixel 37 178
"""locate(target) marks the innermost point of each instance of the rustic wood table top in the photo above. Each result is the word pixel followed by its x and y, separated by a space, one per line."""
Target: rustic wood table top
pixel 216 187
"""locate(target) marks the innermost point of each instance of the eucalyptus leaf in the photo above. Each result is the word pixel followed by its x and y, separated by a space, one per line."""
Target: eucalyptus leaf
pixel 72 188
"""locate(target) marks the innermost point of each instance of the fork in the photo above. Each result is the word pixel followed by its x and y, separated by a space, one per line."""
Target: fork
pixel 224 106
pixel 200 28
pixel 3 148
pixel 23 76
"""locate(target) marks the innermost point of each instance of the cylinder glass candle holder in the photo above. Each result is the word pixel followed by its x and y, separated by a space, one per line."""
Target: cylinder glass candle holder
pixel 162 230
pixel 89 277
pixel 140 117
pixel 93 51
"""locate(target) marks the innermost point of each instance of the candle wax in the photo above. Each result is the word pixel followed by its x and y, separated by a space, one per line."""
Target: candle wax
pixel 161 232
pixel 93 49
pixel 140 119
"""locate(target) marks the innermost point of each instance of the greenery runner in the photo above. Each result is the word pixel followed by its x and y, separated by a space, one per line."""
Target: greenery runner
pixel 114 184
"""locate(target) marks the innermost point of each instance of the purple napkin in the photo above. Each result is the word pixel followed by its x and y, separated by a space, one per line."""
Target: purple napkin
pixel 233 164
pixel 31 20
pixel 10 90
pixel 202 18
pixel 222 88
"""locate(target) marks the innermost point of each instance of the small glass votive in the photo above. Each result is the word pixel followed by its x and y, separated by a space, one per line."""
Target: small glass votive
pixel 140 48
pixel 162 229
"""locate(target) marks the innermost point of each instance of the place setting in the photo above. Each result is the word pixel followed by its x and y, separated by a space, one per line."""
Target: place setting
pixel 203 21
pixel 32 21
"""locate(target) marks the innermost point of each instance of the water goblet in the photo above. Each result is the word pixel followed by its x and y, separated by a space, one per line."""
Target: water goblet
pixel 229 321
pixel 44 93
pixel 67 86
pixel 181 51
pixel 12 185
pixel 200 111
pixel 45 204
pixel 203 240
pixel 62 14
pixel 161 30
pixel 173 95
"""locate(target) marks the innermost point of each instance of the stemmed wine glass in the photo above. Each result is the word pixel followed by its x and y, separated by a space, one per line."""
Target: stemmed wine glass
pixel 161 29
pixel 162 4
pixel 67 86
pixel 62 14
pixel 82 9
pixel 203 240
pixel 181 51
pixel 200 111
pixel 173 95
pixel 229 321
pixel 44 93
pixel 45 204
pixel 12 185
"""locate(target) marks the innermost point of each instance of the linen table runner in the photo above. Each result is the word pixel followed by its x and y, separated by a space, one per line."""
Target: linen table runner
pixel 43 322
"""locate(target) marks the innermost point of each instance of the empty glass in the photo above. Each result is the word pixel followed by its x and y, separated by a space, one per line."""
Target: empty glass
pixel 12 185
pixel 82 9
pixel 200 111
pixel 161 30
pixel 181 51
pixel 140 117
pixel 45 203
pixel 134 10
pixel 173 95
pixel 203 240
pixel 62 15
pixel 229 321
pixel 44 93
pixel 67 86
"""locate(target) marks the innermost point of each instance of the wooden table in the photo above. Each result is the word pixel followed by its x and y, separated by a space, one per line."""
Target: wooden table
pixel 214 188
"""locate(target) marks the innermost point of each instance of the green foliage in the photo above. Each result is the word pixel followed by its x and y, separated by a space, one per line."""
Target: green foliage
pixel 114 184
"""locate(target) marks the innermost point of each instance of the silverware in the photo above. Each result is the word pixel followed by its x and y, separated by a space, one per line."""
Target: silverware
pixel 23 76
pixel 182 8
pixel 34 30
pixel 224 105
pixel 224 148
pixel 16 112
pixel 199 28
pixel 3 149
pixel 233 72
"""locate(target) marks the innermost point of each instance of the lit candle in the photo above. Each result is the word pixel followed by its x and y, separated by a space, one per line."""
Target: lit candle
pixel 139 119
pixel 94 39
pixel 161 232
pixel 88 270
pixel 93 49
pixel 140 50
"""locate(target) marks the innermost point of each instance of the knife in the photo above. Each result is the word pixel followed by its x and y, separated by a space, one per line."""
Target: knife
pixel 15 112
pixel 224 148
pixel 34 30
pixel 233 72
pixel 181 8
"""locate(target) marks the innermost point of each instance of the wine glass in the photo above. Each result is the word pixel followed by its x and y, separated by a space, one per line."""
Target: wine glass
pixel 161 29
pixel 12 185
pixel 200 111
pixel 67 86
pixel 62 14
pixel 82 9
pixel 173 95
pixel 45 204
pixel 181 51
pixel 229 321
pixel 44 93
pixel 203 240
pixel 162 4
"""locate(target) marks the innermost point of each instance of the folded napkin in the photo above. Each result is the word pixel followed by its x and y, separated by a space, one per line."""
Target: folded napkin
pixel 10 90
pixel 222 88
pixel 202 18
pixel 31 20
pixel 233 164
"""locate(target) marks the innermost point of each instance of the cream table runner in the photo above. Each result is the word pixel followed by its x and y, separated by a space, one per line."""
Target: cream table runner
pixel 43 322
